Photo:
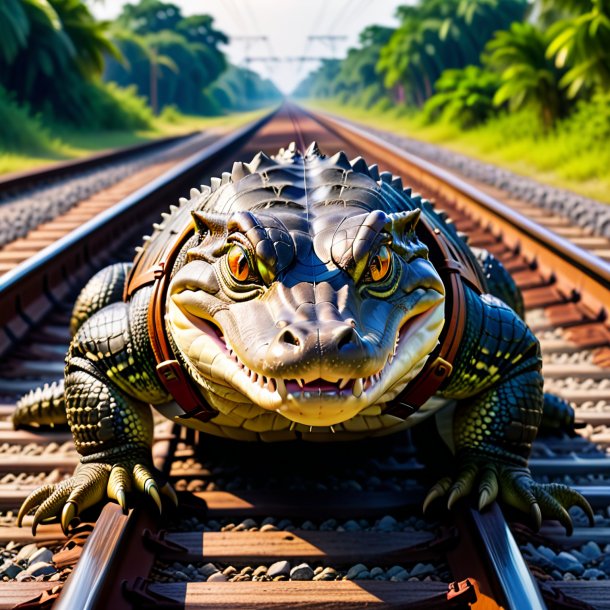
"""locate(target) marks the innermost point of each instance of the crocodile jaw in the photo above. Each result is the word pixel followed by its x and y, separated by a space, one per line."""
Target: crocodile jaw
pixel 218 370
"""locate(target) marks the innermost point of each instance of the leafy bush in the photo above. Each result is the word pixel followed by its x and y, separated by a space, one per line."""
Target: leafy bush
pixel 464 97
pixel 20 130
pixel 101 106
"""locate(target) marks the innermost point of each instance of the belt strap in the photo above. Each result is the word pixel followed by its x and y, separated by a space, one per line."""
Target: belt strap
pixel 454 270
pixel 151 267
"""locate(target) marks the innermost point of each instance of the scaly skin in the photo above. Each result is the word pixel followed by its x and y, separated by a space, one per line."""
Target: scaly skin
pixel 302 305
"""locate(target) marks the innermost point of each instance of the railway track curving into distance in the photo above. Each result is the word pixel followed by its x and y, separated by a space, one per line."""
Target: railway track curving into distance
pixel 308 527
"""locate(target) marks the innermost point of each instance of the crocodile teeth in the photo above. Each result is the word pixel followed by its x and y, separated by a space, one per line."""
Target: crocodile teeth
pixel 300 382
pixel 343 382
pixel 281 388
pixel 358 387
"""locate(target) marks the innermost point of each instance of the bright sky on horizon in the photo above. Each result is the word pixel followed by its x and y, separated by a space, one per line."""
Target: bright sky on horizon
pixel 286 24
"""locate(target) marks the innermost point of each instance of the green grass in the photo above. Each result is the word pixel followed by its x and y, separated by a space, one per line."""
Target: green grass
pixel 571 157
pixel 39 144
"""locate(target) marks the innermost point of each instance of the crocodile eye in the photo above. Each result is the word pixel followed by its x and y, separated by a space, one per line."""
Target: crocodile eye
pixel 380 264
pixel 238 263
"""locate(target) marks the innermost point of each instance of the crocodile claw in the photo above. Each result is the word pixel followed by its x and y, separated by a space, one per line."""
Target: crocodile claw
pixel 515 487
pixel 90 484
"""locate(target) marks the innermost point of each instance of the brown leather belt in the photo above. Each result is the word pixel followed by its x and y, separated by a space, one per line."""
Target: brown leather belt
pixel 152 267
pixel 455 266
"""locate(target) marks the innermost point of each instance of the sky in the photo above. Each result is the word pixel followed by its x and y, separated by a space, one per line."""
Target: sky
pixel 286 24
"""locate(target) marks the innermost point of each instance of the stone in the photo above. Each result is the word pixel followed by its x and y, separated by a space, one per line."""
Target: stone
pixel 10 569
pixel 568 563
pixel 422 569
pixel 208 569
pixel 301 572
pixel 594 574
pixel 26 552
pixel 591 550
pixel 329 525
pixel 351 526
pixel 387 524
pixel 41 568
pixel 217 577
pixel 279 568
pixel 394 570
pixel 269 527
pixel 327 573
pixel 353 572
pixel 377 571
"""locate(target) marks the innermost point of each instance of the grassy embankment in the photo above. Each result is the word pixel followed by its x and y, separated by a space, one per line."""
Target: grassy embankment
pixel 575 156
pixel 27 142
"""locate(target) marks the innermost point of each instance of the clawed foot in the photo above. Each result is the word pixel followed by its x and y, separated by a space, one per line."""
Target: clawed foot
pixel 515 487
pixel 90 484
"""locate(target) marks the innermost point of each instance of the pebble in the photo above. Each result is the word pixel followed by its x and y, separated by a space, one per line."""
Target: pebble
pixel 42 554
pixel 208 569
pixel 568 563
pixel 387 524
pixel 32 206
pixel 353 572
pixel 394 570
pixel 279 568
pixel 422 569
pixel 591 550
pixel 301 572
pixel 41 568
pixel 217 577
pixel 10 569
pixel 26 552
pixel 326 574
pixel 594 574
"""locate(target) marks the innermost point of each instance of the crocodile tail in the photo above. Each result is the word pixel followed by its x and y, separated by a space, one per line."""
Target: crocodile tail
pixel 44 406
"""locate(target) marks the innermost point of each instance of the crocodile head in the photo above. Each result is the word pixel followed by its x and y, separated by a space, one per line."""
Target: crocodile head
pixel 305 290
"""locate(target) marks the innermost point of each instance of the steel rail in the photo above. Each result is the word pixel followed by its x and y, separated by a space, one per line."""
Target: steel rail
pixel 54 171
pixel 31 289
pixel 577 267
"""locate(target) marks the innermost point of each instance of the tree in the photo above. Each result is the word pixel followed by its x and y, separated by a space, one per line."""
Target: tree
pixel 528 77
pixel 439 34
pixel 582 45
pixel 52 43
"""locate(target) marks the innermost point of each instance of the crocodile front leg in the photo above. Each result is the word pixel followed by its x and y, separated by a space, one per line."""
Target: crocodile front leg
pixel 498 383
pixel 108 384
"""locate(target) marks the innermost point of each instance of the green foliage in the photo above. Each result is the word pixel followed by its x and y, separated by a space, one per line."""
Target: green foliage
pixel 528 77
pixel 464 97
pixel 582 43
pixel 241 89
pixel 436 35
pixel 176 61
pixel 53 47
pixel 20 130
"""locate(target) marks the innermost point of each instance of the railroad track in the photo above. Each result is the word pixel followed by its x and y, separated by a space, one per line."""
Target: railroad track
pixel 284 527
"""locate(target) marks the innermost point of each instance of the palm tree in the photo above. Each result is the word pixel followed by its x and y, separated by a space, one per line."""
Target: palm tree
pixel 528 77
pixel 582 44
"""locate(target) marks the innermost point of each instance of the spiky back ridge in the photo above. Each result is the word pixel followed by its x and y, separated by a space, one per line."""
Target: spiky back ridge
pixel 290 178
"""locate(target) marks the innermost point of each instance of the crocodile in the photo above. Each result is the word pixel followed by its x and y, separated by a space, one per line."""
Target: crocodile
pixel 300 296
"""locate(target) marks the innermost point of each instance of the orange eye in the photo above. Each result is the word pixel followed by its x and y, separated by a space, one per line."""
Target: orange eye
pixel 238 264
pixel 380 263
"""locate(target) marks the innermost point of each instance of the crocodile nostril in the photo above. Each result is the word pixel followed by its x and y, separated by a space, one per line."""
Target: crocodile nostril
pixel 290 338
pixel 346 336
